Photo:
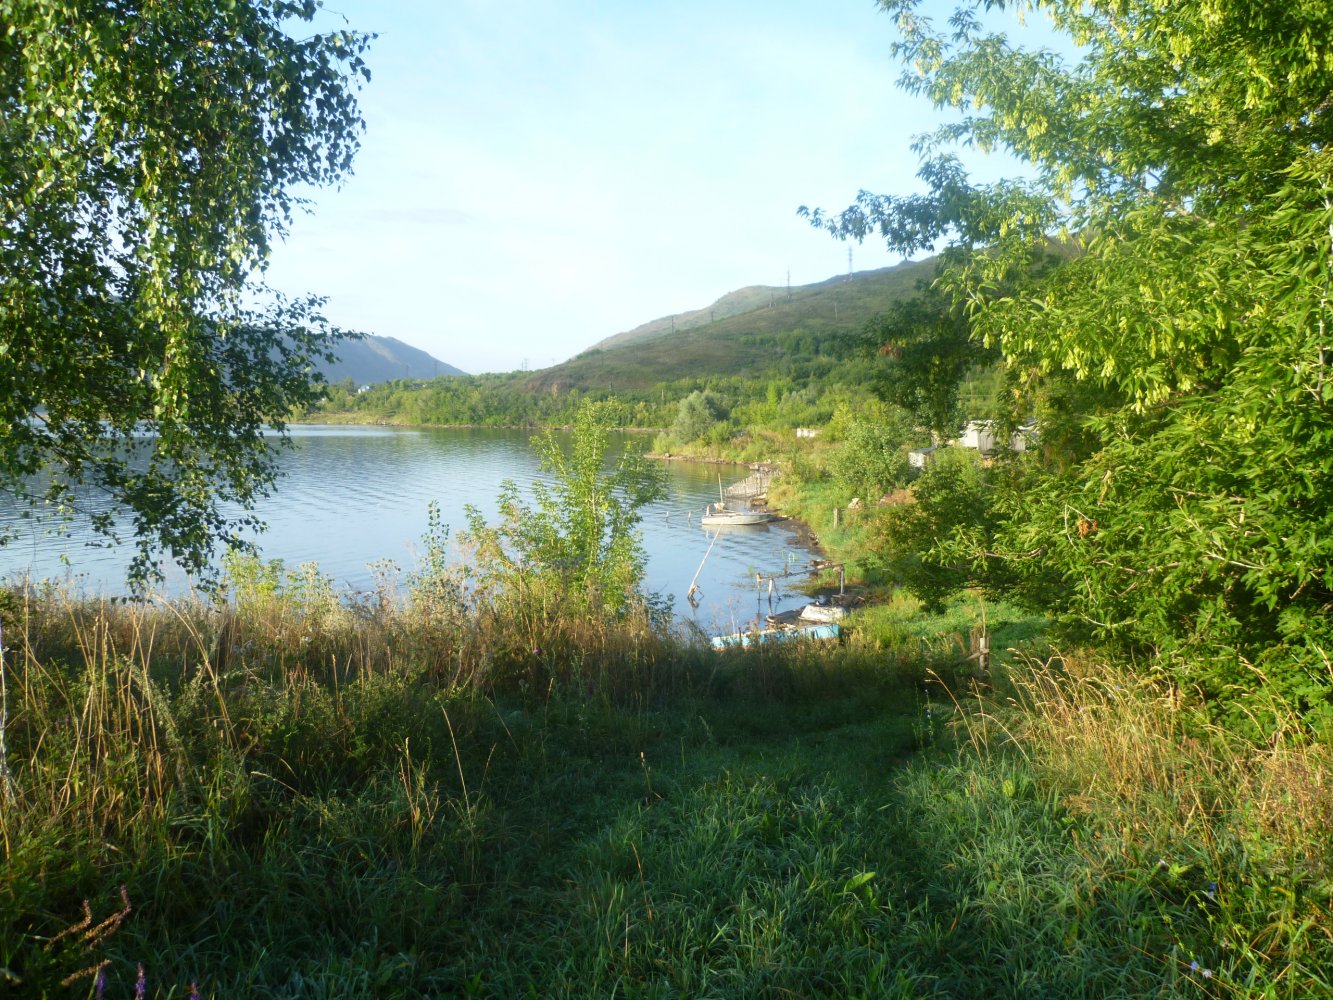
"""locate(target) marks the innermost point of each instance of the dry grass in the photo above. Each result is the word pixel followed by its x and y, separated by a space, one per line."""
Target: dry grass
pixel 1121 746
pixel 1228 838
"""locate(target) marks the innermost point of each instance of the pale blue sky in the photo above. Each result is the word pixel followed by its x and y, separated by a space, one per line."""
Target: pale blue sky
pixel 539 174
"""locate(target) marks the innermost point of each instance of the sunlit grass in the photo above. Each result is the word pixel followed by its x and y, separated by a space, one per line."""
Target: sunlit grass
pixel 307 798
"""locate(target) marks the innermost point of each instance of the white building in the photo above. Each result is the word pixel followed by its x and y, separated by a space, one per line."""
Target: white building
pixel 919 458
pixel 980 435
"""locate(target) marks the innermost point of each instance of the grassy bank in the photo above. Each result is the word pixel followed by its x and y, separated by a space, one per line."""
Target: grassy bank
pixel 307 799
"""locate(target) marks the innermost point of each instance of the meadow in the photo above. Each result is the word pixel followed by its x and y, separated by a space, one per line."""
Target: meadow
pixel 302 797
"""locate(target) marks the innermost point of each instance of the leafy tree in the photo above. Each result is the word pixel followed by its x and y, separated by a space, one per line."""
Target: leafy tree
pixel 917 544
pixel 873 458
pixel 926 351
pixel 696 416
pixel 580 536
pixel 148 154
pixel 1186 154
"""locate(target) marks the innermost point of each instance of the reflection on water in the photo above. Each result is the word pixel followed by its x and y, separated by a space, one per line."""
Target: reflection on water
pixel 352 496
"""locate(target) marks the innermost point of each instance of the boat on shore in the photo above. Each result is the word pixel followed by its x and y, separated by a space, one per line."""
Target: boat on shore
pixel 759 637
pixel 720 513
pixel 823 613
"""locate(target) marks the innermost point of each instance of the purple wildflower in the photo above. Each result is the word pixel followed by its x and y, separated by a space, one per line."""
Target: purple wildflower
pixel 140 985
pixel 99 984
pixel 194 992
pixel 1194 966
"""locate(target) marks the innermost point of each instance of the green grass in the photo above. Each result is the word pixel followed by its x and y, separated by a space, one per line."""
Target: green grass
pixel 304 799
pixel 851 539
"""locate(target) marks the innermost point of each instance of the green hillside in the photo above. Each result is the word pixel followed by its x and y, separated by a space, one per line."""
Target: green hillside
pixel 750 344
pixel 736 303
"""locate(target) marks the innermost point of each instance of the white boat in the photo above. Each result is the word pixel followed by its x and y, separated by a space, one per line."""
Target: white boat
pixel 823 613
pixel 720 513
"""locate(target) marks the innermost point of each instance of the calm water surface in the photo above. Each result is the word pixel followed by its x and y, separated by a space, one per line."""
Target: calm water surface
pixel 353 496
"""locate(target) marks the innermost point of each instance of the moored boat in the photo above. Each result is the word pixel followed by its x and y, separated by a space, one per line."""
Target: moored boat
pixel 823 613
pixel 744 640
pixel 720 513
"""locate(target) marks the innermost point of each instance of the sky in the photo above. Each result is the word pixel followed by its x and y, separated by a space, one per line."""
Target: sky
pixel 537 175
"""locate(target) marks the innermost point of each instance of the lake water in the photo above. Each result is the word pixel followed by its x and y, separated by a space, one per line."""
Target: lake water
pixel 352 496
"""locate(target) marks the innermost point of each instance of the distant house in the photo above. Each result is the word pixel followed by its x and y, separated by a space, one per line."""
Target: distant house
pixel 1025 435
pixel 922 457
pixel 807 432
pixel 980 435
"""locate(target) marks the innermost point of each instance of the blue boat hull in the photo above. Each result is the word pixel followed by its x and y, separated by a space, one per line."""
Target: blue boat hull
pixel 744 640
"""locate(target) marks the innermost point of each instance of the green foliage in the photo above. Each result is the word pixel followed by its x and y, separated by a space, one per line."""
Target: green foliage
pixel 147 154
pixel 924 544
pixel 926 351
pixel 580 538
pixel 1181 347
pixel 873 458
pixel 696 416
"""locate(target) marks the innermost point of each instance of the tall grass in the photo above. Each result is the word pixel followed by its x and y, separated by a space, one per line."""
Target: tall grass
pixel 291 767
pixel 1233 834
pixel 459 793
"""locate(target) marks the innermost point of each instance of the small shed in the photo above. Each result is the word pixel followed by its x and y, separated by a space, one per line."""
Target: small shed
pixel 919 458
pixel 978 434
pixel 1024 435
pixel 982 435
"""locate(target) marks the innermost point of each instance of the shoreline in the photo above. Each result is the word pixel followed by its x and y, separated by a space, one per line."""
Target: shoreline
pixel 314 420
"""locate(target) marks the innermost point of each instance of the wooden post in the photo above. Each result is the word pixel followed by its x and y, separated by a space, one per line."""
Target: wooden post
pixel 836 517
pixel 980 648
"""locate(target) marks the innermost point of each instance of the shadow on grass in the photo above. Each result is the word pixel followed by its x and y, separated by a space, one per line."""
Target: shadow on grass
pixel 764 825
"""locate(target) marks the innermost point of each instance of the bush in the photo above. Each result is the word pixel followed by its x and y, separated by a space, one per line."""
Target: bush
pixel 698 414
pixel 580 538
pixel 873 458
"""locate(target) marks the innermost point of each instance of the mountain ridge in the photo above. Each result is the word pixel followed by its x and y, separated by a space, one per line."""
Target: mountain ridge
pixel 735 303
pixel 751 341
pixel 372 358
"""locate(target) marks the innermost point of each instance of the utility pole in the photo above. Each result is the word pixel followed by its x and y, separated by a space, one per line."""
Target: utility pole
pixel 849 263
pixel 788 284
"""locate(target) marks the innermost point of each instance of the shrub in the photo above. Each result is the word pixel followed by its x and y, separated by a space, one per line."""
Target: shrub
pixel 698 413
pixel 873 457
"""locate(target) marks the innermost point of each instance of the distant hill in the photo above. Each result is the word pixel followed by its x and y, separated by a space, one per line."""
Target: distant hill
pixel 382 359
pixel 735 303
pixel 739 334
